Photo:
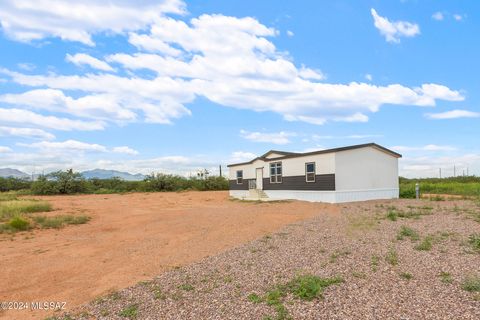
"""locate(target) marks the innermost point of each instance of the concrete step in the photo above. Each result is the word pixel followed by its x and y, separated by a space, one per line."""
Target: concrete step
pixel 257 194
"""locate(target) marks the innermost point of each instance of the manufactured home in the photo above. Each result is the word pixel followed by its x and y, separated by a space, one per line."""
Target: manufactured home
pixel 353 173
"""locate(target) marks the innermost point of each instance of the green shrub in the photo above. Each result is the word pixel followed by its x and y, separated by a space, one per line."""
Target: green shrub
pixel 474 241
pixel 446 277
pixel 471 283
pixel 308 287
pixel 392 257
pixel 407 232
pixel 255 298
pixel 18 223
pixel 406 275
pixel 58 222
pixel 14 184
pixel 426 244
pixel 129 312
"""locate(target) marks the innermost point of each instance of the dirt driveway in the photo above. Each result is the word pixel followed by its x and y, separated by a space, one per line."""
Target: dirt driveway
pixel 130 238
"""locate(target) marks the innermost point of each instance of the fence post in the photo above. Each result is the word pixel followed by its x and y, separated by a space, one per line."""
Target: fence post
pixel 417 190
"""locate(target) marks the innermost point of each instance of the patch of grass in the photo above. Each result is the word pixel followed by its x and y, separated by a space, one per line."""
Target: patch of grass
pixel 446 277
pixel 255 298
pixel 474 241
pixel 339 253
pixel 19 224
pixel 305 287
pixel 158 293
pixel 308 287
pixel 12 208
pixel 129 312
pixel 4 196
pixel 392 257
pixel 58 222
pixel 406 275
pixel 186 287
pixel 360 275
pixel 362 223
pixel 375 261
pixel 425 245
pixel 471 284
pixel 394 214
pixel 407 232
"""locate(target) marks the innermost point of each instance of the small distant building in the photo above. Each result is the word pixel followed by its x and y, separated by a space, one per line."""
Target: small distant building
pixel 353 173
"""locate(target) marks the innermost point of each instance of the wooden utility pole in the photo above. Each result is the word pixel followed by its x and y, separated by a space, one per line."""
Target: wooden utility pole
pixel 220 169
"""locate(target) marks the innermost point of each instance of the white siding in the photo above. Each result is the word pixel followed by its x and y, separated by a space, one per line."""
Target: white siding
pixel 248 170
pixel 365 169
pixel 324 164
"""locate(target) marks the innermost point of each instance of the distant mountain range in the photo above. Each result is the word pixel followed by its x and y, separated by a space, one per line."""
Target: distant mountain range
pixel 107 174
pixel 14 173
pixel 89 174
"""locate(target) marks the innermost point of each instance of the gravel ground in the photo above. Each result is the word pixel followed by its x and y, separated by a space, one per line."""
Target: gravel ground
pixel 353 243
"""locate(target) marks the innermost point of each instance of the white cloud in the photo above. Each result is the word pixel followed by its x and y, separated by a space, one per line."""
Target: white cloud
pixel 275 138
pixel 428 147
pixel 307 73
pixel 230 61
pixel 453 114
pixel 369 77
pixel 29 20
pixel 5 149
pixel 125 150
pixel 241 156
pixel 28 117
pixel 458 17
pixel 25 133
pixel 76 146
pixel 430 166
pixel 438 16
pixel 68 145
pixel 290 33
pixel 26 66
pixel 80 59
pixel 393 31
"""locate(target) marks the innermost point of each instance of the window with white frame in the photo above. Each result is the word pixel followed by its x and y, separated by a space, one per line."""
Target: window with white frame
pixel 276 172
pixel 310 171
pixel 239 176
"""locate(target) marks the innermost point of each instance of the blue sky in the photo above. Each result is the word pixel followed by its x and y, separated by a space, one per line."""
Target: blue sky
pixel 174 86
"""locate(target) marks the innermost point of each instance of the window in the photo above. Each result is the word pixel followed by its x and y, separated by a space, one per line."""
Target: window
pixel 276 172
pixel 310 171
pixel 239 176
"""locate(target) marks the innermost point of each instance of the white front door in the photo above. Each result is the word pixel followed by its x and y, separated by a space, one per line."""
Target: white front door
pixel 259 174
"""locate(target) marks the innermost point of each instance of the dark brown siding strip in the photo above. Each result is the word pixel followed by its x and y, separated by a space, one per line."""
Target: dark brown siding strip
pixel 323 182
pixel 235 186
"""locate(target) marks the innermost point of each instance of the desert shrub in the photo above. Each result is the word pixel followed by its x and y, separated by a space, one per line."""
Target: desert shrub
pixel 13 184
pixel 474 241
pixel 309 287
pixel 58 222
pixel 426 244
pixel 471 283
pixel 407 191
pixel 392 257
pixel 407 232
pixel 19 223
